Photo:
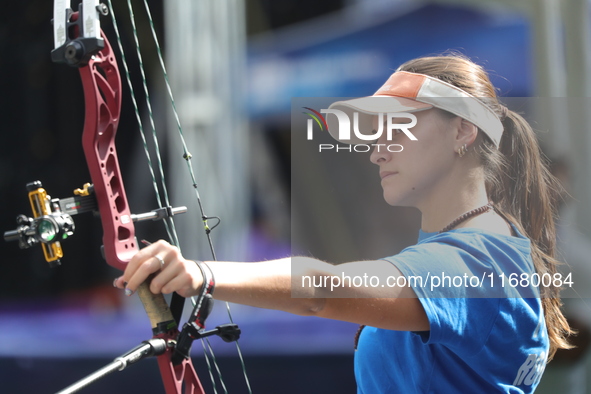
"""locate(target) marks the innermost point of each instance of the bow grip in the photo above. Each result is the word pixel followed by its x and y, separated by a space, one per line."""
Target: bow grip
pixel 156 308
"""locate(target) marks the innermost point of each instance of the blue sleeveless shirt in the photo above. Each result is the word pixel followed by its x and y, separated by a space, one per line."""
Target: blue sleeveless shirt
pixel 487 332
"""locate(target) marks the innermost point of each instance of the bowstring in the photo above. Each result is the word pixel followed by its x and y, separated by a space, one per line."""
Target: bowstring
pixel 153 127
pixel 209 369
pixel 206 341
pixel 187 156
pixel 169 222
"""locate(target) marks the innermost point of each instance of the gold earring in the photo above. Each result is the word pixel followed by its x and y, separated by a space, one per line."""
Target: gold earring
pixel 463 149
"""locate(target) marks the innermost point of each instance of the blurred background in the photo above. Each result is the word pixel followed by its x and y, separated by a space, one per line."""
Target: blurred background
pixel 234 67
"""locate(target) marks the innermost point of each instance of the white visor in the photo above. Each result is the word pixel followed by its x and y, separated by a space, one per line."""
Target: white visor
pixel 406 92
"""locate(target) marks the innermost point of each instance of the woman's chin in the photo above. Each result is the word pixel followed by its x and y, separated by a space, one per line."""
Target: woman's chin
pixel 396 200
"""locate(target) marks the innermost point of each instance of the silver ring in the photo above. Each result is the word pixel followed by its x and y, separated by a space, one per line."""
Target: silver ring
pixel 161 261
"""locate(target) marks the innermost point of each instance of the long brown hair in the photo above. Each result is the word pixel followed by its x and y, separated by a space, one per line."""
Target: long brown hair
pixel 517 178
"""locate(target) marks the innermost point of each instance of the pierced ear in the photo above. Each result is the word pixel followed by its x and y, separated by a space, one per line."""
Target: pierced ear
pixel 467 132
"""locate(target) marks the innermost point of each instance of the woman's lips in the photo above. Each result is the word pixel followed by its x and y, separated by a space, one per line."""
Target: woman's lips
pixel 386 174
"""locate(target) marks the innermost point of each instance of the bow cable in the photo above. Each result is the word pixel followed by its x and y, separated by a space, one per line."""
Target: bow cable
pixel 187 156
pixel 168 222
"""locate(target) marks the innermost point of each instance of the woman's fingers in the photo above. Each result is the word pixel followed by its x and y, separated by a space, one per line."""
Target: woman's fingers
pixel 173 272
pixel 142 264
pixel 173 267
pixel 185 281
pixel 142 256
pixel 146 263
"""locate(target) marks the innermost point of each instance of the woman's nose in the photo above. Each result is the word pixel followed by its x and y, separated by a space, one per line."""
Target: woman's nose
pixel 379 153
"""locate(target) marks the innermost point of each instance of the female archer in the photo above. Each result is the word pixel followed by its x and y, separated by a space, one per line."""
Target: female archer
pixel 476 174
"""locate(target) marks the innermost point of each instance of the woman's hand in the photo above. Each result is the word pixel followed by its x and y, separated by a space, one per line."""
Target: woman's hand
pixel 172 271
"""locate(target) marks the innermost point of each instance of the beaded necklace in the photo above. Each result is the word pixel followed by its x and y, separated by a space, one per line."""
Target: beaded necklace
pixel 462 218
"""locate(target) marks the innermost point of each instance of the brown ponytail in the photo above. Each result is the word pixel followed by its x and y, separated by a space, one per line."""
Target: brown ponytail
pixel 517 178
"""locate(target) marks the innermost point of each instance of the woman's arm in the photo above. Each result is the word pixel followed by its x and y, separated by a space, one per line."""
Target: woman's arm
pixel 299 285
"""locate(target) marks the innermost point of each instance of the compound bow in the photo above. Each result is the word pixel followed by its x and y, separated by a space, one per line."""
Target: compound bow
pixel 80 42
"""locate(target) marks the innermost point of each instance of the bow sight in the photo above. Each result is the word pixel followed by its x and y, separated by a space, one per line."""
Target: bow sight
pixel 49 225
pixel 52 219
